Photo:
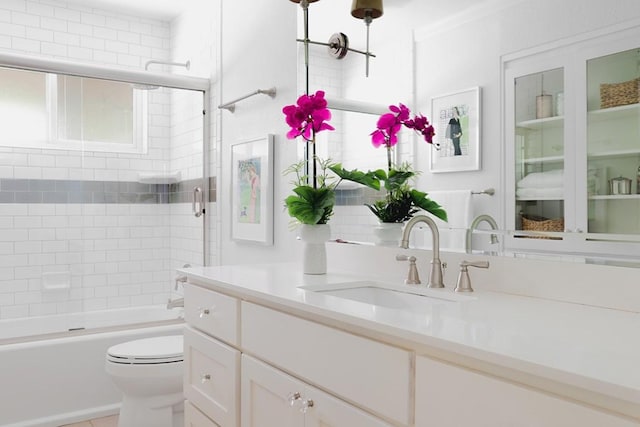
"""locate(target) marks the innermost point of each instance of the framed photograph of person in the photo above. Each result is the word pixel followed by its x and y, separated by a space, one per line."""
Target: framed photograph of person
pixel 252 191
pixel 456 119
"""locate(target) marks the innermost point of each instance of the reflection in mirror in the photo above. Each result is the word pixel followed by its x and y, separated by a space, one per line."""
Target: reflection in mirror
pixel 404 67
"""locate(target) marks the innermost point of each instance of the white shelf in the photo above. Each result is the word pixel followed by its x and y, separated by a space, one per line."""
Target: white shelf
pixel 537 124
pixel 547 159
pixel 616 197
pixel 621 112
pixel 614 153
pixel 536 199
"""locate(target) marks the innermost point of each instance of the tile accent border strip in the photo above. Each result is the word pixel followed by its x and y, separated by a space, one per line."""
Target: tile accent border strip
pixel 75 191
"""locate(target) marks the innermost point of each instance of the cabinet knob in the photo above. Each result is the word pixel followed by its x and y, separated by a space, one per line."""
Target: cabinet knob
pixel 306 404
pixel 204 378
pixel 293 398
pixel 203 312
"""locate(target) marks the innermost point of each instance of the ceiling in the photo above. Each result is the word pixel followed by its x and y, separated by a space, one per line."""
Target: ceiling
pixel 164 10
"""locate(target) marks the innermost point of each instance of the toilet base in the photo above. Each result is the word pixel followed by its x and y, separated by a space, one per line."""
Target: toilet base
pixel 145 412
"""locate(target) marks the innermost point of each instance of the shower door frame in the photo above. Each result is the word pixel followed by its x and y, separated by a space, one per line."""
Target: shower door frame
pixel 199 84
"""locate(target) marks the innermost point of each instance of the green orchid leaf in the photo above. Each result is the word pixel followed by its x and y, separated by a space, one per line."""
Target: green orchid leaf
pixel 421 200
pixel 311 205
pixel 381 174
pixel 368 178
pixel 397 179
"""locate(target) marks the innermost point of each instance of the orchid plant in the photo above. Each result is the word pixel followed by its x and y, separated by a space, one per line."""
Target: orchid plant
pixel 401 201
pixel 314 196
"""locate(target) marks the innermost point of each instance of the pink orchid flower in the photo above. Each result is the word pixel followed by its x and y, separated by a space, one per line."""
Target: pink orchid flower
pixel 389 124
pixel 308 116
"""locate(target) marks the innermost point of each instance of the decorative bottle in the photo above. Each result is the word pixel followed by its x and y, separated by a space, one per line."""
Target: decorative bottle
pixel 638 181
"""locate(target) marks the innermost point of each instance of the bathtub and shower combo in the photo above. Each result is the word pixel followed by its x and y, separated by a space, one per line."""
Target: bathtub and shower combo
pixel 91 241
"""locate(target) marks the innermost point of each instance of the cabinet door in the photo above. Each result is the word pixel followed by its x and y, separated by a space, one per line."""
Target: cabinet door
pixel 211 379
pixel 267 396
pixel 328 411
pixel 450 396
pixel 536 140
pixel 194 418
pixel 272 398
pixel 613 143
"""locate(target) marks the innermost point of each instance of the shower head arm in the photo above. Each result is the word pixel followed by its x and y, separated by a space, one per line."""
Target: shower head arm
pixel 186 65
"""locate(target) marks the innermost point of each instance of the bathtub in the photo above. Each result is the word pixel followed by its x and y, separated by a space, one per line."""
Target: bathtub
pixel 52 368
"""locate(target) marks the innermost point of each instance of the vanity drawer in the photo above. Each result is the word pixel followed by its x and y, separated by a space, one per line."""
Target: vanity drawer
pixel 212 312
pixel 373 375
pixel 212 375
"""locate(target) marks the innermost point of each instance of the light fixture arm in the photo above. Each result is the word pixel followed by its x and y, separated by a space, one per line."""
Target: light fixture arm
pixel 367 20
pixel 338 45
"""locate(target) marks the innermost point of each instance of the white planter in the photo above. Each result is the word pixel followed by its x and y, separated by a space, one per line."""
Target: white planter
pixel 314 254
pixel 388 233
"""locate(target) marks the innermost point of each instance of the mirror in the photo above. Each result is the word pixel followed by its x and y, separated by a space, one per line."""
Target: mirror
pixel 415 62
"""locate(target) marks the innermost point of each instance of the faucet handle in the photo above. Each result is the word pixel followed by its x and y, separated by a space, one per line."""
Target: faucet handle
pixel 478 264
pixel 412 278
pixel 464 281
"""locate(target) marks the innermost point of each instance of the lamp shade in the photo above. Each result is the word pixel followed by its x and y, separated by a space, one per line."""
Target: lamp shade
pixel 360 8
pixel 308 1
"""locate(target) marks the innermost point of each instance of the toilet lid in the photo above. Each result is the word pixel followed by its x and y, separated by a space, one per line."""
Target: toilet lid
pixel 165 349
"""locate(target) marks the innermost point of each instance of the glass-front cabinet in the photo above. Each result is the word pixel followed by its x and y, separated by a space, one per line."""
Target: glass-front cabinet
pixel 572 147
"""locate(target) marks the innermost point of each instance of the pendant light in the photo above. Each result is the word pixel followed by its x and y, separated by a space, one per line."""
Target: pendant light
pixel 368 10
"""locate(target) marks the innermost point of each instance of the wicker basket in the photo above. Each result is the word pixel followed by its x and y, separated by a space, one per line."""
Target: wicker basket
pixel 616 94
pixel 539 223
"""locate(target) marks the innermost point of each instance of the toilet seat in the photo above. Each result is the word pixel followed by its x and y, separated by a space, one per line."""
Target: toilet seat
pixel 148 351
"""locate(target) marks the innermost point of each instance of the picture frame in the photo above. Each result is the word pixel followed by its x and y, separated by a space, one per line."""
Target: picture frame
pixel 252 191
pixel 456 145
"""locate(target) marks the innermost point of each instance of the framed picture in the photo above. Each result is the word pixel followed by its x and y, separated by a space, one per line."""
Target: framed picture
pixel 456 119
pixel 252 191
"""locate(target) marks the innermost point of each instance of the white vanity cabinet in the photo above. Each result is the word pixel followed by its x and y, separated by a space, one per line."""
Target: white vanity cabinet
pixel 236 355
pixel 372 375
pixel 452 396
pixel 212 360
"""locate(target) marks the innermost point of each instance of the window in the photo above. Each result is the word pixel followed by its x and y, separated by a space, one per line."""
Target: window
pixel 40 110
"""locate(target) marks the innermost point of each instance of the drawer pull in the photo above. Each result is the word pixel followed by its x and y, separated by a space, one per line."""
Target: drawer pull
pixel 204 378
pixel 293 398
pixel 306 404
pixel 203 312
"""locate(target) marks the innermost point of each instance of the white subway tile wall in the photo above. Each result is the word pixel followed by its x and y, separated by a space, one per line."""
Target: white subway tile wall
pixel 116 254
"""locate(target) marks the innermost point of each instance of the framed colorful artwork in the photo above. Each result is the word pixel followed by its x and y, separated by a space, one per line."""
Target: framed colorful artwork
pixel 252 191
pixel 456 119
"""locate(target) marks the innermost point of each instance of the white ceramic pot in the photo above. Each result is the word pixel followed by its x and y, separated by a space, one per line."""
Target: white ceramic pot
pixel 388 233
pixel 314 254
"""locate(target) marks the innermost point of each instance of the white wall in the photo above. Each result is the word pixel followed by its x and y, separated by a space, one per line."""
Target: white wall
pixel 258 52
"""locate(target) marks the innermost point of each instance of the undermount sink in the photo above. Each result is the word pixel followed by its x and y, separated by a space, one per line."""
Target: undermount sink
pixel 404 297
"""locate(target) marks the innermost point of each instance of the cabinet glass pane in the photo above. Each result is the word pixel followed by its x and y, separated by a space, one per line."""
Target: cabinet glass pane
pixel 613 143
pixel 539 151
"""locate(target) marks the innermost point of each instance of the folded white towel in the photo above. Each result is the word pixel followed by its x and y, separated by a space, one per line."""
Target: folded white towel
pixel 457 204
pixel 542 193
pixel 552 178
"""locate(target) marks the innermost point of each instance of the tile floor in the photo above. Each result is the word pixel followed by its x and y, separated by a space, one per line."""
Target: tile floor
pixel 111 421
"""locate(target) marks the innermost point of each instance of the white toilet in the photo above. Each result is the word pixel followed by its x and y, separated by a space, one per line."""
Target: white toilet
pixel 149 374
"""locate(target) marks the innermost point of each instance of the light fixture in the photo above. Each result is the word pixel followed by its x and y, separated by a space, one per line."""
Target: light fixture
pixel 368 10
pixel 338 44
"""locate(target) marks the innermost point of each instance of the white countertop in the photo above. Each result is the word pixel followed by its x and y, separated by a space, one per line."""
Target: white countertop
pixel 587 348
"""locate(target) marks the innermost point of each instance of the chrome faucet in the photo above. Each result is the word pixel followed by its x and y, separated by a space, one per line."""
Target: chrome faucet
pixel 474 224
pixel 173 303
pixel 435 277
